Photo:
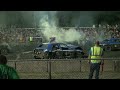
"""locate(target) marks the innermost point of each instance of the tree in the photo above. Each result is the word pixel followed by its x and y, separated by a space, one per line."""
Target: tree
pixel 111 18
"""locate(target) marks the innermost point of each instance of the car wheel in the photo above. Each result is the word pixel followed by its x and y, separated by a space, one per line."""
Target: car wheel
pixel 45 56
pixel 36 57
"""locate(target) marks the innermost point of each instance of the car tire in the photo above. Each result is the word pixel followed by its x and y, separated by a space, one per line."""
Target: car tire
pixel 35 57
pixel 45 56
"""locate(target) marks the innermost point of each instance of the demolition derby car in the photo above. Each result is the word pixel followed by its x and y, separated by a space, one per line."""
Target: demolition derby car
pixel 60 51
pixel 110 44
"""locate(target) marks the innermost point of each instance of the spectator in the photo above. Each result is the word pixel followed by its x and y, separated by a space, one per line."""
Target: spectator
pixel 6 72
pixel 95 54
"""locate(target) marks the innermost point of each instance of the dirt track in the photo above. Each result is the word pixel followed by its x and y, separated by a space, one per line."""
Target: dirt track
pixel 29 55
pixel 74 75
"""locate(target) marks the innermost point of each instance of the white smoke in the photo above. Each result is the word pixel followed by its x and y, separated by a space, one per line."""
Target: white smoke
pixel 103 34
pixel 49 23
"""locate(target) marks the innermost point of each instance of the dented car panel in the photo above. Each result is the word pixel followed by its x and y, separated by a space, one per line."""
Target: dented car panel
pixel 60 50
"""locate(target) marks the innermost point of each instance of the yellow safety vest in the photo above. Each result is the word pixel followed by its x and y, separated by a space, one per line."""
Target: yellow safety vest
pixel 31 39
pixel 96 53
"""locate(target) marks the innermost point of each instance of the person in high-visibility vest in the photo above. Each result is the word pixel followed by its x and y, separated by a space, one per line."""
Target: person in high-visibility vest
pixel 7 72
pixel 95 55
pixel 31 39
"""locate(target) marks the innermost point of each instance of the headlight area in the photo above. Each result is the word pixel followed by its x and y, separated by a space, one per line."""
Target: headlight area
pixel 36 52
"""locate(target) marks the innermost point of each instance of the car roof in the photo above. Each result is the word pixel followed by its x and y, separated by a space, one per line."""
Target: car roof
pixel 53 43
pixel 44 43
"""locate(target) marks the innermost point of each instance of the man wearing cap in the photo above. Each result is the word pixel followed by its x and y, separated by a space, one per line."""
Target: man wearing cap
pixel 95 55
pixel 6 72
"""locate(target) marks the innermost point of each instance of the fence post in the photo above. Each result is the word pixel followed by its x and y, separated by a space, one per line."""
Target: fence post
pixel 114 65
pixel 80 65
pixel 49 68
pixel 15 65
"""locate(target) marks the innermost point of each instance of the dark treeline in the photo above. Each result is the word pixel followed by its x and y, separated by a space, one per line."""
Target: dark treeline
pixel 64 18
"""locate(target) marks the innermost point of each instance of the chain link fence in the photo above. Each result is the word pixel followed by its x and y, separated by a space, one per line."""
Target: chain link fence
pixel 64 69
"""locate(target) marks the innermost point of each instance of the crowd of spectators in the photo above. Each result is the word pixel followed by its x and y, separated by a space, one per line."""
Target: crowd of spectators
pixel 16 36
pixel 21 35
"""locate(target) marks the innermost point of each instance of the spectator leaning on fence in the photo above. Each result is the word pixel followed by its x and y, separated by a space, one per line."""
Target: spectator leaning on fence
pixel 96 53
pixel 6 72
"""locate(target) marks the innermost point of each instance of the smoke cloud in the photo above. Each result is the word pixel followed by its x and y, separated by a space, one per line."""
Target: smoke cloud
pixel 51 29
pixel 52 21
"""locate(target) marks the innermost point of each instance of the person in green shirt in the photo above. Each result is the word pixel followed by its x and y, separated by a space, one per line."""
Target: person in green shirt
pixel 7 72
